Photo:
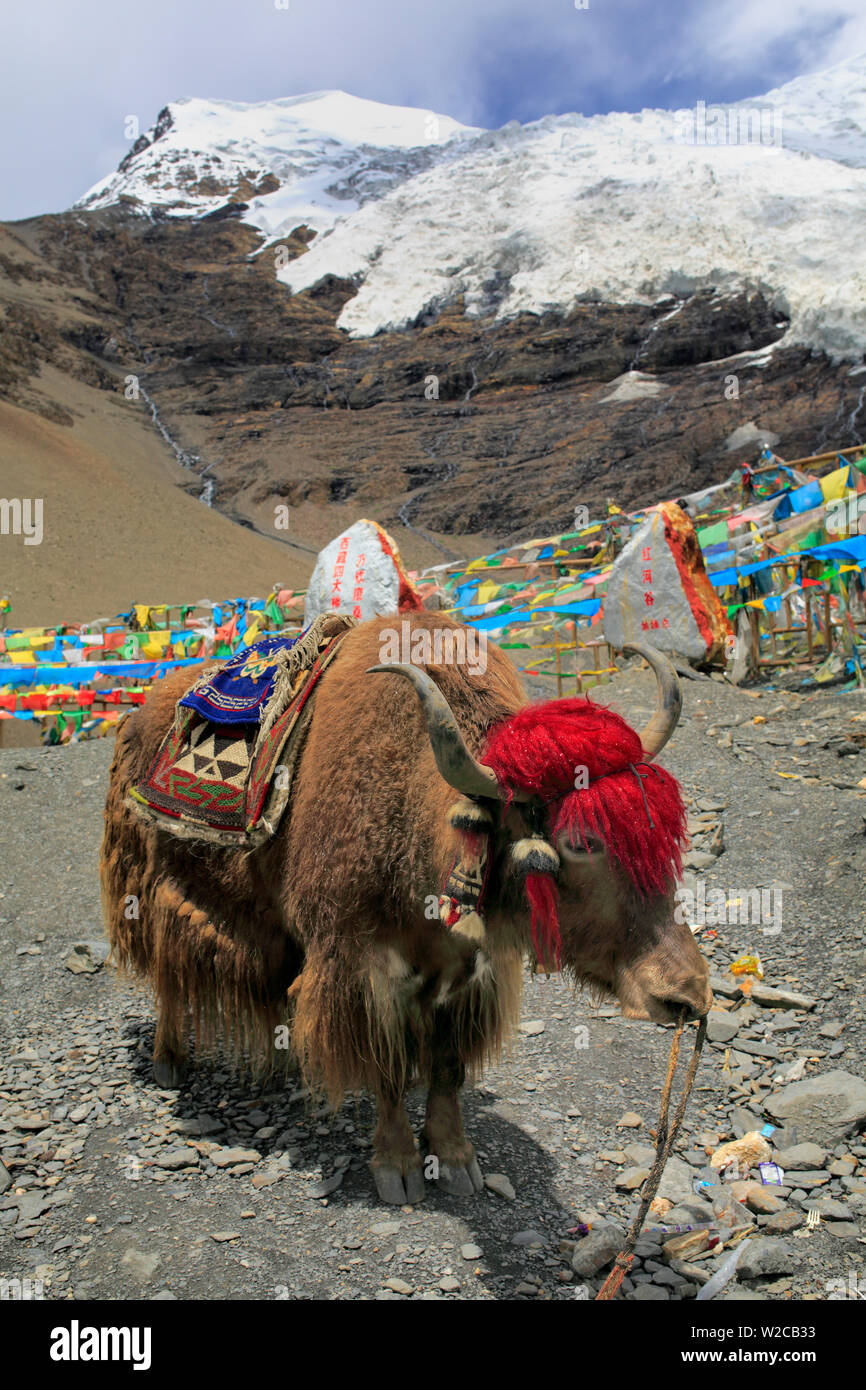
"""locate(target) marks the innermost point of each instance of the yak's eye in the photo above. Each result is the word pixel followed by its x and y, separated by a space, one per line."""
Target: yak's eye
pixel 580 851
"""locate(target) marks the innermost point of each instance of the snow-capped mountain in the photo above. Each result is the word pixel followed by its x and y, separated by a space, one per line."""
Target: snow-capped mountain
pixel 307 159
pixel 417 210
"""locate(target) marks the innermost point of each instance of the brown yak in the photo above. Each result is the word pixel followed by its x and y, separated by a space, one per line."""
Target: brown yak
pixel 328 927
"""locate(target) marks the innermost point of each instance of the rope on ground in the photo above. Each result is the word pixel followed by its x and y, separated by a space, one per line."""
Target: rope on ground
pixel 664 1143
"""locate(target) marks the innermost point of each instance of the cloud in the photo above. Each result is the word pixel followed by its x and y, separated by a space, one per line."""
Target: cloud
pixel 77 72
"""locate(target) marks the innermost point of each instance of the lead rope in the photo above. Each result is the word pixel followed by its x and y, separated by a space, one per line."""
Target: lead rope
pixel 664 1143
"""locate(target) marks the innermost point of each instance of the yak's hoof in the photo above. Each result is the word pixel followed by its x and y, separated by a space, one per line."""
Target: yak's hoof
pixel 460 1181
pixel 399 1189
pixel 169 1075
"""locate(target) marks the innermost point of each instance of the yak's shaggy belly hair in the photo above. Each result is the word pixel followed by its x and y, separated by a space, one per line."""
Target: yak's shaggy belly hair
pixel 221 964
pixel 197 924
pixel 355 1028
pixel 236 945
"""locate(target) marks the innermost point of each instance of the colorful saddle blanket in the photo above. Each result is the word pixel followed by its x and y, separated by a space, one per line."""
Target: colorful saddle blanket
pixel 224 770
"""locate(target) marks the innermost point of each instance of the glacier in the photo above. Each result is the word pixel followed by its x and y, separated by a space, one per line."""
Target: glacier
pixel 420 212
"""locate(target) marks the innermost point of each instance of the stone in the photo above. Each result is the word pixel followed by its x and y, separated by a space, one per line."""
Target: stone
pixel 697 1273
pixel 140 1265
pixel 830 1209
pixel 757 1049
pixel 721 1027
pixel 531 1028
pixel 266 1177
pixel 677 1183
pixel 844 1230
pixel 597 1249
pixel 801 1156
pixel 630 1120
pixel 729 1212
pixel 698 859
pixel 532 1238
pixel 499 1183
pixel 222 1236
pixel 833 1028
pixel 448 1284
pixel 470 1251
pixel 173 1159
pixel 327 1185
pixel 842 1167
pixel 31 1205
pixel 689 1213
pixel 5 1178
pixel 686 1246
pixel 30 1124
pixel 82 960
pixel 760 1199
pixel 399 1286
pixel 385 1228
pixel 641 1155
pixel 649 1293
pixel 691 620
pixel 334 580
pixel 781 1222
pixel 766 1256
pixel 770 998
pixel 632 1178
pixel 199 1125
pixel 727 986
pixel 810 1180
pixel 228 1158
pixel 743 1121
pixel 832 1105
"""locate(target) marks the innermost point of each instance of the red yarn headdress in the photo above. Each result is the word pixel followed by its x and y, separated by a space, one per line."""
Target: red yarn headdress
pixel 634 807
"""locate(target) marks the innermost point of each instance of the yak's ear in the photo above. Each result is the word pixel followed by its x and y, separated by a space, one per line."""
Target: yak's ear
pixel 534 856
pixel 467 814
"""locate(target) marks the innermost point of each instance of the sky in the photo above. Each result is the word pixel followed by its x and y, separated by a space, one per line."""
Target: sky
pixel 72 73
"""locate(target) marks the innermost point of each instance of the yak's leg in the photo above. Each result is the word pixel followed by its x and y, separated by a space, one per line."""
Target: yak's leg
pixel 443 1136
pixel 169 1049
pixel 396 1164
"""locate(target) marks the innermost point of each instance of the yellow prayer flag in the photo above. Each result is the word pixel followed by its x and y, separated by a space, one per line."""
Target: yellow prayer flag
pixel 835 484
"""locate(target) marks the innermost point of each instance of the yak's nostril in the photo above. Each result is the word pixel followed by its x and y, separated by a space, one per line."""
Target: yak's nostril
pixel 675 1008
pixel 696 1001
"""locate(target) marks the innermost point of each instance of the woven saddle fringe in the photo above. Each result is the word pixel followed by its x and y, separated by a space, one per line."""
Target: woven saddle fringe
pixel 299 658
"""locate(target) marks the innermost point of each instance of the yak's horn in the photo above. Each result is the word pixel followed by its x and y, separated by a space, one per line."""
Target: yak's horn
pixel 657 732
pixel 453 759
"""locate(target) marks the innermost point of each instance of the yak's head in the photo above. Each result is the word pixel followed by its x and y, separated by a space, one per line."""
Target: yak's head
pixel 586 840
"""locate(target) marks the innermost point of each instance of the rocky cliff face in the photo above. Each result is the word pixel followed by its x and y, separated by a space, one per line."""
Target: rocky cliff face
pixel 453 426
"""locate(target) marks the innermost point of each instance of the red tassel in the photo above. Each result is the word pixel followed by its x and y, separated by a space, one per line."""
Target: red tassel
pixel 543 895
pixel 635 808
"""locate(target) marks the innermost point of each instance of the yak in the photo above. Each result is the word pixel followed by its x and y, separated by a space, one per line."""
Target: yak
pixel 412 779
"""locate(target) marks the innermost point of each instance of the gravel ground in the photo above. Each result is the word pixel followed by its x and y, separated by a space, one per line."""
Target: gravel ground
pixel 113 1188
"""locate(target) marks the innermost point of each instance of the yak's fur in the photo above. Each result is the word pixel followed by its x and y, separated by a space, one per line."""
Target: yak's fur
pixel 332 928
pixel 321 910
